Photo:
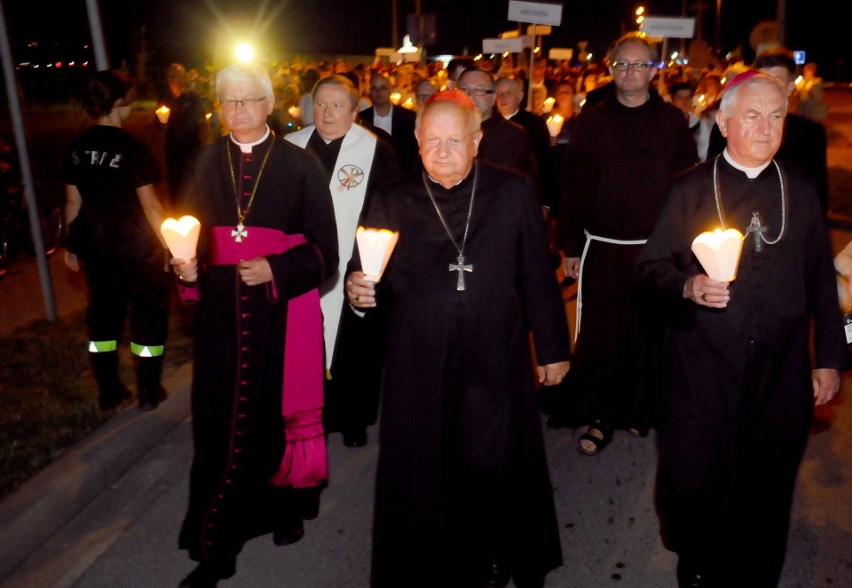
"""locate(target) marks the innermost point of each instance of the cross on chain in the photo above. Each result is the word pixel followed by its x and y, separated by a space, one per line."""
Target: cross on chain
pixel 239 233
pixel 758 230
pixel 460 267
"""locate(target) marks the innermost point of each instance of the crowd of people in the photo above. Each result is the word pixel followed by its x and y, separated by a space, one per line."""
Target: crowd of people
pixel 504 189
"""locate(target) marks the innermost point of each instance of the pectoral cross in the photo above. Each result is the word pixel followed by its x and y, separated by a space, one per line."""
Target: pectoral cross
pixel 460 267
pixel 239 233
pixel 758 230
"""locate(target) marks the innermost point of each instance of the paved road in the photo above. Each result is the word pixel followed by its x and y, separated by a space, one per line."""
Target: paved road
pixel 127 536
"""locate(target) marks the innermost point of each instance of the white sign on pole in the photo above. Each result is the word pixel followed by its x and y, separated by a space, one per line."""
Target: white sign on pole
pixel 535 12
pixel 557 53
pixel 513 45
pixel 669 27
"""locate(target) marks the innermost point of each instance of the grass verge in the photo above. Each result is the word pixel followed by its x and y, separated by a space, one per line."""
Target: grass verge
pixel 49 399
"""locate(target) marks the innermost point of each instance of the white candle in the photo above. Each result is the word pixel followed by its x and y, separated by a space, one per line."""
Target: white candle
pixel 375 247
pixel 719 253
pixel 163 113
pixel 554 124
pixel 181 236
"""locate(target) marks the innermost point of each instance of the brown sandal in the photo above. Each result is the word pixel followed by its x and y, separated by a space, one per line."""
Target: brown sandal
pixel 599 442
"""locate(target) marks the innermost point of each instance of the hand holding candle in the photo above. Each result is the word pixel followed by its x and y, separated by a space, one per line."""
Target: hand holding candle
pixel 375 247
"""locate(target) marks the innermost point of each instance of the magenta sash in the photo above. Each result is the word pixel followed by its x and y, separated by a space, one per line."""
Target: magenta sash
pixel 305 463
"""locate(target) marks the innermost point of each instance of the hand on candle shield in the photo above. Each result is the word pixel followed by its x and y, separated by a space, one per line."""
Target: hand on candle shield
pixel 707 292
pixel 187 271
pixel 360 292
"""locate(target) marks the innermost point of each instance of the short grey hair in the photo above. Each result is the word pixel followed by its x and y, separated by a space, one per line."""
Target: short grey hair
pixel 732 91
pixel 244 72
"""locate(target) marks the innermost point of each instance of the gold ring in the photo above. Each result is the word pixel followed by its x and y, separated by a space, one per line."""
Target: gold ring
pixel 356 298
pixel 704 296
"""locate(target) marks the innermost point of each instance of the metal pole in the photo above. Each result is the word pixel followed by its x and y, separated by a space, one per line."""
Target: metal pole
pixel 394 25
pixel 532 66
pixel 26 171
pixel 101 61
pixel 781 16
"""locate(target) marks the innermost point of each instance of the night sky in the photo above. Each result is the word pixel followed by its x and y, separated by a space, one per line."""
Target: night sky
pixel 196 31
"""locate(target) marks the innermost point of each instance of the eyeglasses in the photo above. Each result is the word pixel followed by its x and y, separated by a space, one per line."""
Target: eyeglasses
pixel 475 91
pixel 506 94
pixel 625 65
pixel 379 89
pixel 243 103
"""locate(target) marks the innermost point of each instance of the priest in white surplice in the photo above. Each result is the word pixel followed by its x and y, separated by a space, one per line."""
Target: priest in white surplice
pixel 356 162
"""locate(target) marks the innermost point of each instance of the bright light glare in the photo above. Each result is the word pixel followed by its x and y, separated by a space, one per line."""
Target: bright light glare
pixel 244 52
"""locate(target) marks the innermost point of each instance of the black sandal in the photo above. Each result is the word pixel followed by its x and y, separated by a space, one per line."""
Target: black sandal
pixel 600 443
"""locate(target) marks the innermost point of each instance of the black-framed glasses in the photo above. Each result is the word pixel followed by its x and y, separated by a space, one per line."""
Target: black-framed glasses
pixel 242 103
pixel 625 65
pixel 475 91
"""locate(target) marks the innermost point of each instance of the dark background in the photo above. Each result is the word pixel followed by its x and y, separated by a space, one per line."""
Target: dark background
pixel 199 32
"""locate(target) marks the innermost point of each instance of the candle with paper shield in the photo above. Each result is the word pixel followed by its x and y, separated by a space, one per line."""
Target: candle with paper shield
pixel 719 253
pixel 554 124
pixel 181 236
pixel 163 113
pixel 375 247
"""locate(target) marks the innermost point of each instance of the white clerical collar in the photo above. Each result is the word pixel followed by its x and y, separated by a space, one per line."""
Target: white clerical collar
pixel 509 116
pixel 434 181
pixel 247 147
pixel 751 172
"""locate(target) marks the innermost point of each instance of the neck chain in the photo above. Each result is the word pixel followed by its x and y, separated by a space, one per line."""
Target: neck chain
pixel 240 232
pixel 460 266
pixel 755 225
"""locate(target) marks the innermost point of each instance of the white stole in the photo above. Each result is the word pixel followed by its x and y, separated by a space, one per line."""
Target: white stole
pixel 348 188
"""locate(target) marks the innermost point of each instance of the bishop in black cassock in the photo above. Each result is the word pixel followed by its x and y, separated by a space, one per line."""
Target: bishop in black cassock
pixel 738 387
pixel 247 187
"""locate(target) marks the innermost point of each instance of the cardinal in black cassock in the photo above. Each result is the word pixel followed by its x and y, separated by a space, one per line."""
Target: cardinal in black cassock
pixel 463 495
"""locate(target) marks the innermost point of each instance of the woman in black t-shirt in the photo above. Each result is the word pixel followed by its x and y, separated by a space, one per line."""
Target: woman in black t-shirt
pixel 114 219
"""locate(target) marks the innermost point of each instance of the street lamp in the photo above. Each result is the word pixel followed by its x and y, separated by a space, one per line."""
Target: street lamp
pixel 244 52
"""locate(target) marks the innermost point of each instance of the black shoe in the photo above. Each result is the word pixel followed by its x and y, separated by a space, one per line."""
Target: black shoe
pixel 355 438
pixel 308 503
pixel 110 401
pixel 499 574
pixel 207 574
pixel 146 402
pixel 288 536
